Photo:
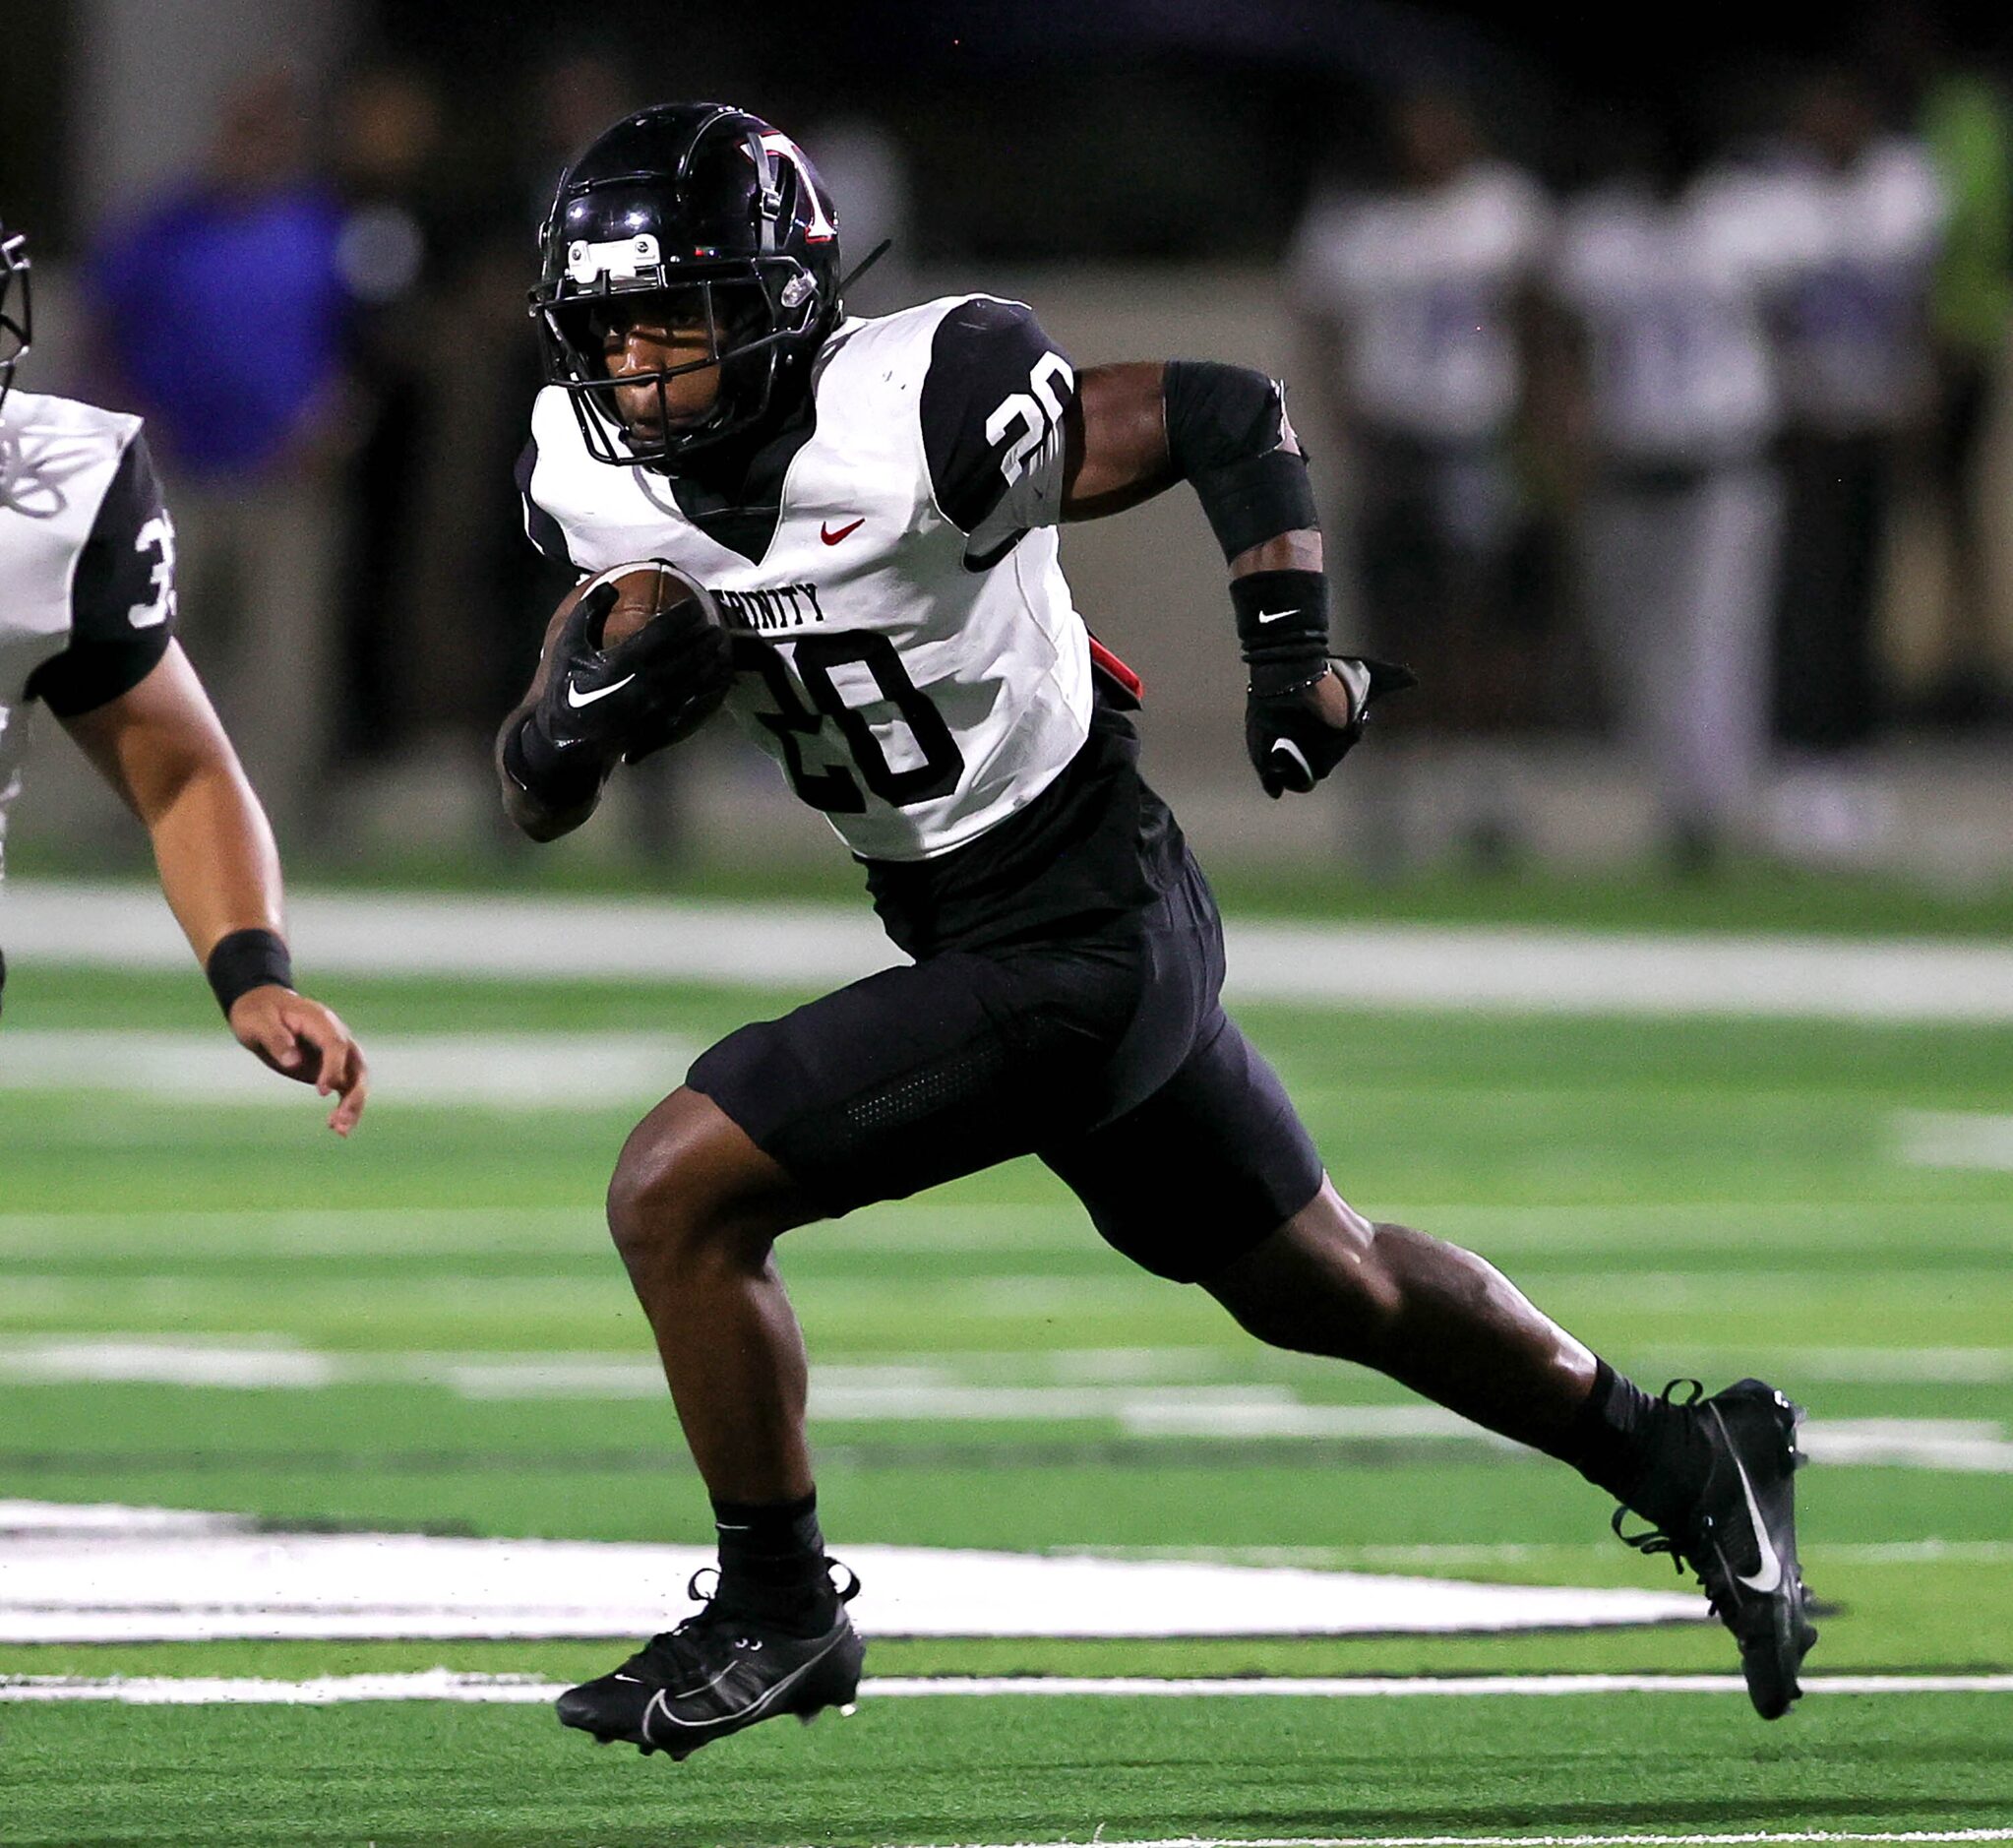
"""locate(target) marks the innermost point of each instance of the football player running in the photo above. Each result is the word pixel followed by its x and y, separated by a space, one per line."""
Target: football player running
pixel 872 506
pixel 88 629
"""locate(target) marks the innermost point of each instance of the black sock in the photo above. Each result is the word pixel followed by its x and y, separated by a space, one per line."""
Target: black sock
pixel 772 1561
pixel 1645 1452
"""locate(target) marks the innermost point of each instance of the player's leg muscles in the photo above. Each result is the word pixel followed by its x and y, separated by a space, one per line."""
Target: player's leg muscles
pixel 1438 1319
pixel 1215 1180
pixel 695 1208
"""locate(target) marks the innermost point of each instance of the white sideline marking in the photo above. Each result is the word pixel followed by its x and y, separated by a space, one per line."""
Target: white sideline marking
pixel 1372 1555
pixel 502 1071
pixel 817 946
pixel 1955 1139
pixel 440 1684
pixel 918 1391
pixel 97 1582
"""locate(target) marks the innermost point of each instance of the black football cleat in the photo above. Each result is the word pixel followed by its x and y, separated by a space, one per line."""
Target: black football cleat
pixel 719 1671
pixel 1739 1535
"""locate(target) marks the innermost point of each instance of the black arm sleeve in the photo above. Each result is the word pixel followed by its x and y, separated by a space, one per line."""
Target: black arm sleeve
pixel 540 526
pixel 1228 434
pixel 992 406
pixel 122 599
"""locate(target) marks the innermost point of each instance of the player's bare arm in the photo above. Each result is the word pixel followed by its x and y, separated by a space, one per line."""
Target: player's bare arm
pixel 161 747
pixel 1134 430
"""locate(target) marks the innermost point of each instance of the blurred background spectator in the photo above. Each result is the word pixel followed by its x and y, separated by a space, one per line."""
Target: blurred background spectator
pixel 1413 291
pixel 1664 269
pixel 220 313
pixel 1515 340
pixel 391 659
pixel 1961 112
pixel 1864 212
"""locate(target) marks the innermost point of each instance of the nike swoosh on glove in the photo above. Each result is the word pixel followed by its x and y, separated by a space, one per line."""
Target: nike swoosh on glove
pixel 647 692
pixel 1291 738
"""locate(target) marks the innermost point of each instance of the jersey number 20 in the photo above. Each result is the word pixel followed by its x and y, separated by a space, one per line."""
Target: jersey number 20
pixel 833 789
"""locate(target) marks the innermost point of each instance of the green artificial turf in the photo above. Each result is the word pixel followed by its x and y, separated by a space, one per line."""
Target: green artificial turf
pixel 1006 1771
pixel 1710 1196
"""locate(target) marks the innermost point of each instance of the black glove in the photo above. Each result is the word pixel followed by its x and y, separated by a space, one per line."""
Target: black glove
pixel 603 707
pixel 1296 737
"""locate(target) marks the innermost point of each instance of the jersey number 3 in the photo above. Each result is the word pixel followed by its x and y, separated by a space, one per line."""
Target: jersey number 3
pixel 158 536
pixel 936 763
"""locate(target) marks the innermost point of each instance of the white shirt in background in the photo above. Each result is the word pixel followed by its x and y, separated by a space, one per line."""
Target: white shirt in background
pixel 1673 295
pixel 1425 283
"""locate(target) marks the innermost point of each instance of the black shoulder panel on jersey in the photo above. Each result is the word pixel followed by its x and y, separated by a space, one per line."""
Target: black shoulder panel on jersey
pixel 984 407
pixel 540 526
pixel 122 599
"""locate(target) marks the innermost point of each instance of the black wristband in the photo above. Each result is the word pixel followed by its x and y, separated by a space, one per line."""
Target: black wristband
pixel 552 776
pixel 1282 627
pixel 245 961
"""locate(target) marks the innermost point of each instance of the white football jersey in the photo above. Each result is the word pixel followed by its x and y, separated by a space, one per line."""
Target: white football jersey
pixel 87 565
pixel 906 645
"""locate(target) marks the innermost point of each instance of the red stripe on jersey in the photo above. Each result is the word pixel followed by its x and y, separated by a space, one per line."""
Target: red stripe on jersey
pixel 1102 656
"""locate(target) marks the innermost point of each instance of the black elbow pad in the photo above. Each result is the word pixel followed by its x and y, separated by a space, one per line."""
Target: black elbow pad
pixel 1228 434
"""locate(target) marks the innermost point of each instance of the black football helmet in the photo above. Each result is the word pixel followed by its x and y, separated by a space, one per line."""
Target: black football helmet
pixel 17 315
pixel 700 197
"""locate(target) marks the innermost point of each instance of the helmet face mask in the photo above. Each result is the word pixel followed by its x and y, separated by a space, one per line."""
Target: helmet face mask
pixel 745 323
pixel 720 223
pixel 16 313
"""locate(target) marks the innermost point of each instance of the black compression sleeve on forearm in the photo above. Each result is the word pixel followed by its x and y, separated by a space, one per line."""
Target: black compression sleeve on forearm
pixel 1227 434
pixel 556 779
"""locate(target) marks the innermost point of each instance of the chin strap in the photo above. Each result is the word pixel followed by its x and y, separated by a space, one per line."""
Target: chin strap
pixel 865 263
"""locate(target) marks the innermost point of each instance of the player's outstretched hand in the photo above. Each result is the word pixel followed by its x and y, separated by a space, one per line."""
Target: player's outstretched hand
pixel 303 1040
pixel 645 692
pixel 1295 739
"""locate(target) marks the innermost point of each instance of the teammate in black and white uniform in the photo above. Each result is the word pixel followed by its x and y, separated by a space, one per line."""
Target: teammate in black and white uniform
pixel 871 506
pixel 88 629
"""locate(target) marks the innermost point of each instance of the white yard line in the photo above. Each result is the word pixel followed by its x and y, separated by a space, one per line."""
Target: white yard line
pixel 99 1583
pixel 1956 1139
pixel 809 946
pixel 1454 1553
pixel 440 1684
pixel 919 1391
pixel 500 1071
pixel 890 1226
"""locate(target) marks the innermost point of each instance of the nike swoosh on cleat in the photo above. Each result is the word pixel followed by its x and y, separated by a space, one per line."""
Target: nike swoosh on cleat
pixel 576 698
pixel 661 1708
pixel 1771 1573
pixel 830 538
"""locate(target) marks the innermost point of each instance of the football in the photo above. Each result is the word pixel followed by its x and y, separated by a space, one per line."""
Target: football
pixel 643 591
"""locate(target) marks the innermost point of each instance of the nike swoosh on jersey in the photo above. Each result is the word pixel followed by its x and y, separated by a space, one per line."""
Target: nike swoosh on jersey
pixel 576 698
pixel 830 538
pixel 1771 1573
pixel 1276 615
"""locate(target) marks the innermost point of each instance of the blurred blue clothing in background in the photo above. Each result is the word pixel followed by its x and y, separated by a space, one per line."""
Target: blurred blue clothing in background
pixel 227 318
